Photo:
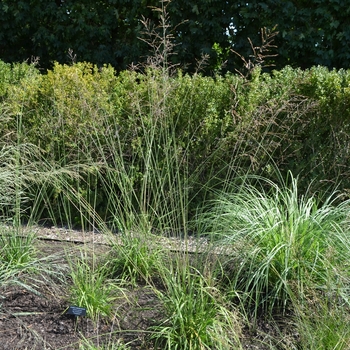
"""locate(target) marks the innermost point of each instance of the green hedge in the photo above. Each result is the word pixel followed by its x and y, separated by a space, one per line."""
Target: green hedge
pixel 291 120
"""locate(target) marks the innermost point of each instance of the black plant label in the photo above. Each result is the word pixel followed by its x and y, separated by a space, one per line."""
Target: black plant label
pixel 76 311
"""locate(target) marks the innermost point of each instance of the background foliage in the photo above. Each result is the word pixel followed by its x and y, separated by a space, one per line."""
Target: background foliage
pixel 292 120
pixel 107 32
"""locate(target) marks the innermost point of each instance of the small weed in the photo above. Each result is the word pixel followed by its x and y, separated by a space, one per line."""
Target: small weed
pixel 88 345
pixel 323 325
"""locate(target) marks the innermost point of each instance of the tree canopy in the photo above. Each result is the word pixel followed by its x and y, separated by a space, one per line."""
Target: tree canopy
pixel 313 32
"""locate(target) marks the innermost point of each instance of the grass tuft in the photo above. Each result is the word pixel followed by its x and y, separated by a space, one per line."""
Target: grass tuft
pixel 92 289
pixel 134 259
pixel 282 244
pixel 197 316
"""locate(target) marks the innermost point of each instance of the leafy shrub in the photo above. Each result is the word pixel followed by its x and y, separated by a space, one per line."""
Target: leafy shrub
pixel 207 130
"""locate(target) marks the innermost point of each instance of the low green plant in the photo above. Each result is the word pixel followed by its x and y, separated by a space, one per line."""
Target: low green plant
pixel 92 289
pixel 134 259
pixel 17 251
pixel 87 344
pixel 22 265
pixel 197 316
pixel 323 324
pixel 283 244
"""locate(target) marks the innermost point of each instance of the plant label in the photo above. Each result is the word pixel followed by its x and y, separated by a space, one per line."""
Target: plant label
pixel 76 311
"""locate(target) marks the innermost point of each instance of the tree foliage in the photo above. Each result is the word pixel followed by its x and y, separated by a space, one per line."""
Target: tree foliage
pixel 310 32
pixel 107 31
pixel 66 30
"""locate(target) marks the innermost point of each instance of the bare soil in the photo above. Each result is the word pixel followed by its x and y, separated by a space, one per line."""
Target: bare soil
pixel 38 319
pixel 29 321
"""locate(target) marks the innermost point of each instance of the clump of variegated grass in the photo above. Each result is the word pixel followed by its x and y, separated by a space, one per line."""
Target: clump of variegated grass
pixel 282 245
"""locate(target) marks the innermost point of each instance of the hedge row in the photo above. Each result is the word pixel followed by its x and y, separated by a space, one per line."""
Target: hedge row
pixel 291 120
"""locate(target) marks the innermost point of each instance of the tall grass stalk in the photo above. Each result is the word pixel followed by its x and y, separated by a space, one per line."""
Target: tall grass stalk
pixel 146 172
pixel 162 199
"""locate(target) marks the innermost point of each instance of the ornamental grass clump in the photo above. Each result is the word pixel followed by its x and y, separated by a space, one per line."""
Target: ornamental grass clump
pixel 17 251
pixel 283 245
pixel 134 260
pixel 197 315
pixel 92 289
pixel 17 257
pixel 21 263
